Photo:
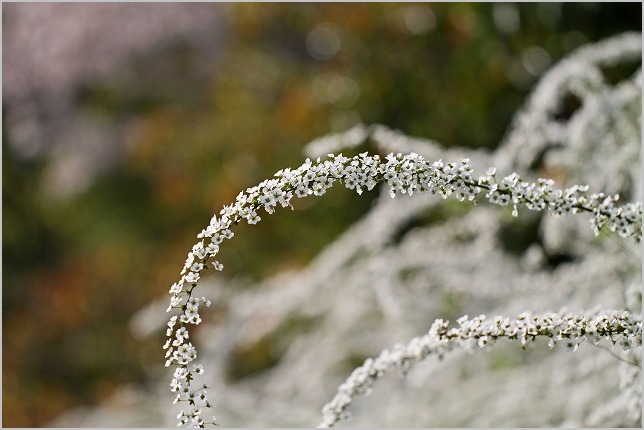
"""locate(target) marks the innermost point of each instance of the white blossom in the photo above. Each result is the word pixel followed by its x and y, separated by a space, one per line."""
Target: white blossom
pixel 404 171
pixel 569 329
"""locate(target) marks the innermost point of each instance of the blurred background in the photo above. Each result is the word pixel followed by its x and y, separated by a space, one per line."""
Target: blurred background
pixel 126 126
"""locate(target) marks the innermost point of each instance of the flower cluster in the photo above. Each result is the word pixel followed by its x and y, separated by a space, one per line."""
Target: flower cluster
pixel 403 174
pixel 182 352
pixel 567 329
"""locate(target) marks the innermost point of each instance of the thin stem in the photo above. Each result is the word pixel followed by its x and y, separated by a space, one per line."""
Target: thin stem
pixel 608 350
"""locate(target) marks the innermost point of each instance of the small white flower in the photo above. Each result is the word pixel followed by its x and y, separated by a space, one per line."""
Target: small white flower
pixel 211 249
pixel 198 250
pixel 175 385
pixel 180 372
pixel 172 322
pixel 182 333
pixel 193 304
pixel 191 277
pixel 190 315
pixel 406 174
pixel 175 301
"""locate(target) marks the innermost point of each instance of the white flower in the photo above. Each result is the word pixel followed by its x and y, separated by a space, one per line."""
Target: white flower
pixel 211 249
pixel 191 316
pixel 253 218
pixel 193 304
pixel 176 288
pixel 175 385
pixel 185 354
pixel 189 260
pixel 196 267
pixel 182 333
pixel 175 301
pixel 199 251
pixel 192 278
pixel 173 321
pixel 181 372
pixel 440 340
pixel 407 174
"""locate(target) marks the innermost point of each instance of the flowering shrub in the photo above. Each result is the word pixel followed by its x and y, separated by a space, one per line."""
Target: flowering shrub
pixel 568 329
pixel 407 175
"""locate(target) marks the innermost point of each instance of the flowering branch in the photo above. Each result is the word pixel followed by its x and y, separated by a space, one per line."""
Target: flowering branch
pixel 404 174
pixel 569 329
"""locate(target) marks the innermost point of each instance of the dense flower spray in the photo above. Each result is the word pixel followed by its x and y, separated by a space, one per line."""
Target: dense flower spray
pixel 567 329
pixel 607 123
pixel 403 174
